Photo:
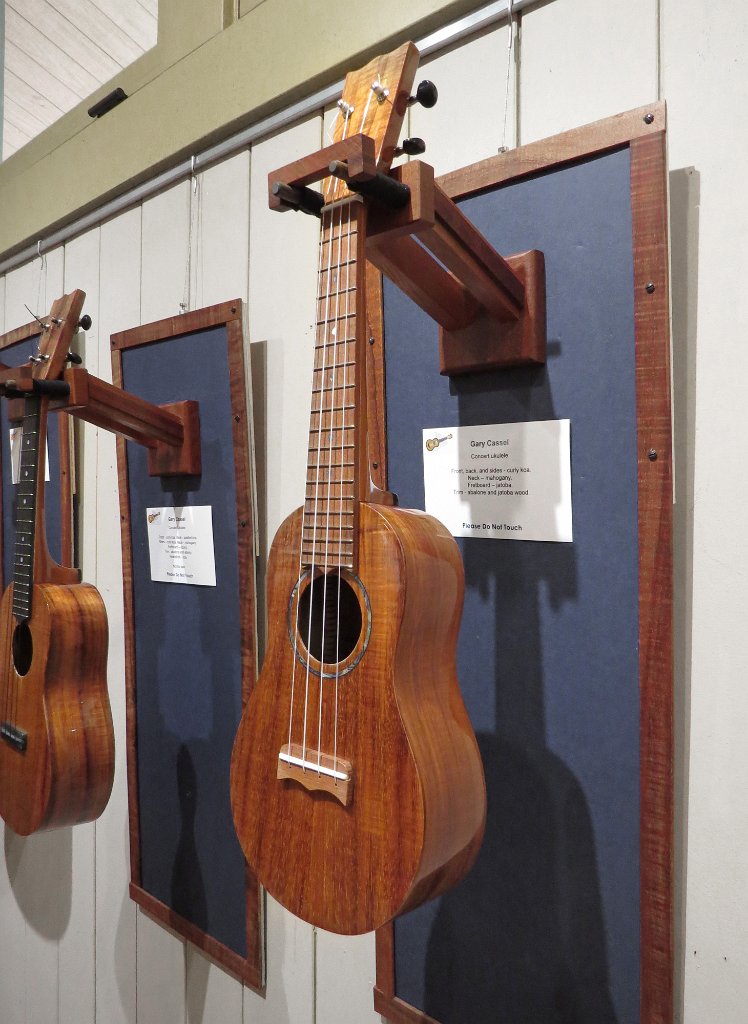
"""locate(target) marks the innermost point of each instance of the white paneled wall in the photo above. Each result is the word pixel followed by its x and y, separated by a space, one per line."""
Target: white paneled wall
pixel 73 948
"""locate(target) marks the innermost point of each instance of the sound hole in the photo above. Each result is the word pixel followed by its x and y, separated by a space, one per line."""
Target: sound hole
pixel 333 601
pixel 23 648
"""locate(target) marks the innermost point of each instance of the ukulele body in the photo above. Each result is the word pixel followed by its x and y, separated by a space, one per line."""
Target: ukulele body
pixel 410 821
pixel 64 774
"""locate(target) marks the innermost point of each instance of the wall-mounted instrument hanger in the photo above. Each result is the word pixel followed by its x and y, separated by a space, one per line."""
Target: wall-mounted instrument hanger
pixel 491 310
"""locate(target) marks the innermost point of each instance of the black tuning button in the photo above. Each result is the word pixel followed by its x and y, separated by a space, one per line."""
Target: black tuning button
pixel 74 358
pixel 426 94
pixel 413 147
pixel 85 322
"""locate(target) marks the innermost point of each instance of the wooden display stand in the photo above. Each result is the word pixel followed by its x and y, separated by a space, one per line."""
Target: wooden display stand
pixel 491 310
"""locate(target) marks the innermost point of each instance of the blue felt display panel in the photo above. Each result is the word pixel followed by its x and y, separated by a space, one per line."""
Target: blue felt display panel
pixel 545 929
pixel 16 355
pixel 188 667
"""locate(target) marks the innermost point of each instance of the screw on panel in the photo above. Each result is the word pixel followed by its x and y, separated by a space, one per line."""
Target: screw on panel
pixel 649 118
pixel 652 454
pixel 650 286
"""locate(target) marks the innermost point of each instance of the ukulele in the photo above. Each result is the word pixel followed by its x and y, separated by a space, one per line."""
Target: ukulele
pixel 56 737
pixel 356 782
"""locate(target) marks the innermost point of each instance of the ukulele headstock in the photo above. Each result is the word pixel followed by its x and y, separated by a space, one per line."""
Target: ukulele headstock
pixel 59 326
pixel 374 103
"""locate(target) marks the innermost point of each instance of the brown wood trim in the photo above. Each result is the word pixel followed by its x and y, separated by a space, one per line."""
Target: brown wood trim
pixel 65 437
pixel 251 969
pixel 232 962
pixel 376 419
pixel 19 334
pixel 170 326
pixel 647 143
pixel 652 323
pixel 576 144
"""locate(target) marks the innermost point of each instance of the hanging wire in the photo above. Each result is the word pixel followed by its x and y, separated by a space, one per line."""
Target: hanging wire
pixel 194 231
pixel 509 56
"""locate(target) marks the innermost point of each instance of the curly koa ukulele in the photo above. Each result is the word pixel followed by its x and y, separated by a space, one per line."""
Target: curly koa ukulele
pixel 356 782
pixel 56 738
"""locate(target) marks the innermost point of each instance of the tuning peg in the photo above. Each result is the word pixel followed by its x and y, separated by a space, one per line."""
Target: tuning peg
pixel 412 147
pixel 85 322
pixel 73 357
pixel 426 94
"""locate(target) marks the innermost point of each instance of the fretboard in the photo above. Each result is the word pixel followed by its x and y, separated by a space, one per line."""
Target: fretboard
pixel 25 493
pixel 330 523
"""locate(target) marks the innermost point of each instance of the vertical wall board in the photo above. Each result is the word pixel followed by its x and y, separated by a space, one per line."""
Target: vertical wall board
pixel 119 308
pixel 220 232
pixel 166 223
pixel 282 289
pixel 467 123
pixel 346 969
pixel 77 945
pixel 37 283
pixel 582 61
pixel 704 59
pixel 161 959
pixel 161 974
pixel 39 867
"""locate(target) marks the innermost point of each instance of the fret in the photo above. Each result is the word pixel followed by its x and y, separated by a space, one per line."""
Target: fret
pixel 327 514
pixel 336 387
pixel 332 343
pixel 329 447
pixel 335 292
pixel 25 510
pixel 329 264
pixel 335 498
pixel 337 465
pixel 333 408
pixel 336 318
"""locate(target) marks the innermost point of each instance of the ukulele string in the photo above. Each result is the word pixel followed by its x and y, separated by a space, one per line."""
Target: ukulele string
pixel 343 434
pixel 322 369
pixel 333 366
pixel 297 622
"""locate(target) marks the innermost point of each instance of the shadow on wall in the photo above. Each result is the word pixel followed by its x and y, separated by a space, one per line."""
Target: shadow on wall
pixel 40 870
pixel 522 939
pixel 685 186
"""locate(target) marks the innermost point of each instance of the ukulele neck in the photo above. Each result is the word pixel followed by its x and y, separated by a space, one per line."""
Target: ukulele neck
pixel 337 477
pixel 29 504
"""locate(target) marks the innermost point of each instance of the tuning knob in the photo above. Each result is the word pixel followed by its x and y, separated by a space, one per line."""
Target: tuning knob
pixel 426 94
pixel 413 147
pixel 74 358
pixel 85 322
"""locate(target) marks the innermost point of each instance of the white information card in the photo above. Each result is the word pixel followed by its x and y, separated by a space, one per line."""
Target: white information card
pixel 508 481
pixel 180 541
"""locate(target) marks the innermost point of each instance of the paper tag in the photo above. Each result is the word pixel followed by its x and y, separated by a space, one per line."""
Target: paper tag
pixel 180 541
pixel 15 455
pixel 506 481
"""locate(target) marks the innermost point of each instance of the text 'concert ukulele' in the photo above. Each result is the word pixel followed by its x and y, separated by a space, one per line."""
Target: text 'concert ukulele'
pixel 356 784
pixel 56 738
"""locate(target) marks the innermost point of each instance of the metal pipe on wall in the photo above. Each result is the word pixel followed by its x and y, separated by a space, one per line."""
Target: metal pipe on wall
pixel 450 34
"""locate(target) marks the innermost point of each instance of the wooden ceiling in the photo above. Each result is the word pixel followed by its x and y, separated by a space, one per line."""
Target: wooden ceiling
pixel 58 52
